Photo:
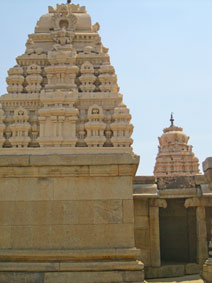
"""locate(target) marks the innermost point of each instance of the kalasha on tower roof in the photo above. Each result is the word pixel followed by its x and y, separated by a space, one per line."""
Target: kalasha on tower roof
pixel 175 156
pixel 63 92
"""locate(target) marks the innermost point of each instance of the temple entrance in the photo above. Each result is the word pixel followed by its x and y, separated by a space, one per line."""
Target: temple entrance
pixel 177 233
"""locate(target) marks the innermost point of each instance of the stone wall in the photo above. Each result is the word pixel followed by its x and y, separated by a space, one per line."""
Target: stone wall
pixel 68 213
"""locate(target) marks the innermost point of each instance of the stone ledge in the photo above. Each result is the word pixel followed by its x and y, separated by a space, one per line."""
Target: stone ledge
pixel 70 266
pixel 73 277
pixel 68 255
pixel 68 159
pixel 165 271
pixel 172 270
pixel 97 277
pixel 67 171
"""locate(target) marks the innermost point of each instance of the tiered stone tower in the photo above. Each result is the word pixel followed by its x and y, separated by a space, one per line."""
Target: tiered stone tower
pixel 63 91
pixel 175 156
pixel 66 160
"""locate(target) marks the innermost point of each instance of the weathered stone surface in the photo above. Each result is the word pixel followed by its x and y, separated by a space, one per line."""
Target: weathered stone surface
pixel 141 207
pixel 184 279
pixel 97 188
pixel 83 159
pixel 19 277
pixel 22 189
pixel 202 245
pixel 128 211
pixel 100 277
pixel 207 270
pixel 61 212
pixel 145 256
pixel 142 238
pixel 70 266
pixel 71 236
pixel 5 237
pixel 67 211
pixel 192 268
pixel 176 182
pixel 21 160
pixel 142 222
pixel 164 271
pixel 207 164
pixel 72 255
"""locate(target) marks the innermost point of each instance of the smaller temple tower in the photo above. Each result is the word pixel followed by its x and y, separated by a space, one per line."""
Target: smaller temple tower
pixel 175 156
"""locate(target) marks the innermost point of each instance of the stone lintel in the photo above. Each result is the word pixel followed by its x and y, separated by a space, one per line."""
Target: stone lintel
pixel 145 196
pixel 196 202
pixel 158 203
pixel 145 190
pixel 179 193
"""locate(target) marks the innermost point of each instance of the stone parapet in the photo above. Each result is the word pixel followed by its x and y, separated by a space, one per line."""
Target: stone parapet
pixel 207 167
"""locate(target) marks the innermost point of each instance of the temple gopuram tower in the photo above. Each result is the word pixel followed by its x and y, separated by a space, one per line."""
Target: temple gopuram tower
pixel 175 156
pixel 66 160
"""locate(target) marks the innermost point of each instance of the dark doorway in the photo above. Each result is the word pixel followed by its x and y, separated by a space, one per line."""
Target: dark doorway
pixel 177 232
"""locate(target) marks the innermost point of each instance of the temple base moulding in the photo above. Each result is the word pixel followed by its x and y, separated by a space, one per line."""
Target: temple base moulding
pixel 103 265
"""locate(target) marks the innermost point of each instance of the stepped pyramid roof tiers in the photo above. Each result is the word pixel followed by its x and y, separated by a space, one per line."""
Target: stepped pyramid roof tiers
pixel 63 92
pixel 175 156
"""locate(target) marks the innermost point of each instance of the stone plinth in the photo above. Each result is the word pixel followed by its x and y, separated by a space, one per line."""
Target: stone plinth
pixel 68 218
pixel 207 270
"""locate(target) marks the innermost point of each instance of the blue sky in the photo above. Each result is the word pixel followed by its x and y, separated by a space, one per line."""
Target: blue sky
pixel 162 53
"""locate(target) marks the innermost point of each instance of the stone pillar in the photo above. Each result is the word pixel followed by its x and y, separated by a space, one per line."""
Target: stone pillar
pixel 207 267
pixel 154 205
pixel 202 247
pixel 154 236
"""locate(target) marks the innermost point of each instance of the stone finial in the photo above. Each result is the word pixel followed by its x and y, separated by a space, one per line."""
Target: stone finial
pixel 172 119
pixel 68 1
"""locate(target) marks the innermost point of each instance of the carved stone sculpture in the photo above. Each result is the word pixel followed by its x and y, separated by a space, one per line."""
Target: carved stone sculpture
pixel 67 87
